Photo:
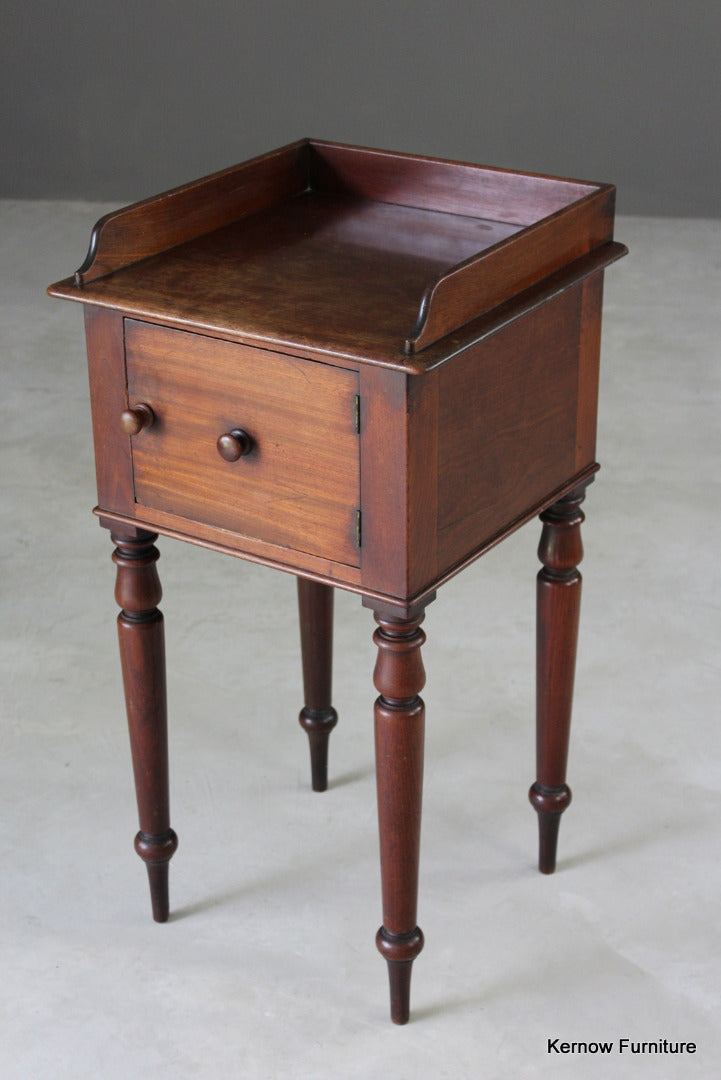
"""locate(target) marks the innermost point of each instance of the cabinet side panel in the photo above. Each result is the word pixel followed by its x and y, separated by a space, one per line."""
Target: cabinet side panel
pixel 507 415
pixel 384 480
pixel 423 481
pixel 590 351
pixel 108 399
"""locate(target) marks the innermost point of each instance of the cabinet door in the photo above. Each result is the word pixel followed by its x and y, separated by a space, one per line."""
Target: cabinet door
pixel 298 484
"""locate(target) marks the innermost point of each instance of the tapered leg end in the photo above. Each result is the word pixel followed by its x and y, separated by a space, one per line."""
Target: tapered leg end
pixel 318 723
pixel 549 804
pixel 399 976
pixel 156 852
pixel 399 951
pixel 158 880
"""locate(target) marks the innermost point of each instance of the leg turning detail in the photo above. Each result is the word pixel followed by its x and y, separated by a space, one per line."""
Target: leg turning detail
pixel 142 656
pixel 399 735
pixel 557 615
pixel 317 717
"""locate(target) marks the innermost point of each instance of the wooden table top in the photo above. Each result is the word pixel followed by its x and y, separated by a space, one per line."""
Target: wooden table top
pixel 359 254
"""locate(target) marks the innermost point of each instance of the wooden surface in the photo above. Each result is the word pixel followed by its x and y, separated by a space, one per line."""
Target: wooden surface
pixel 108 401
pixel 399 677
pixel 481 283
pixel 399 470
pixel 142 655
pixel 496 460
pixel 343 250
pixel 364 368
pixel 558 606
pixel 451 187
pixel 317 717
pixel 245 547
pixel 299 486
pixel 331 272
pixel 589 356
pixel 136 232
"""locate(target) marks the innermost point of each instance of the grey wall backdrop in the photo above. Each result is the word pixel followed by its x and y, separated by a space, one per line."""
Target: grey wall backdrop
pixel 117 100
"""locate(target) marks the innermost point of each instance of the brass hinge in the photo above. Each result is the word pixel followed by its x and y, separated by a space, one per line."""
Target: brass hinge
pixel 358 528
pixel 356 414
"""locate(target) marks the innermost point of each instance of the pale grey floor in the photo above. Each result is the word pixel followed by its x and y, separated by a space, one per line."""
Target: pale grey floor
pixel 268 968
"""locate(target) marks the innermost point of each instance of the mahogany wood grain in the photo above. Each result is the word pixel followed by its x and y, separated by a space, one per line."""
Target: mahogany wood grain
pixel 435 184
pixel 499 459
pixel 243 547
pixel 317 717
pixel 353 285
pixel 221 317
pixel 108 401
pixel 589 355
pixel 426 595
pixel 366 369
pixel 558 609
pixel 399 736
pixel 164 221
pixel 299 485
pixel 399 481
pixel 517 307
pixel 483 282
pixel 384 449
pixel 391 253
pixel 424 496
pixel 142 655
pixel 323 570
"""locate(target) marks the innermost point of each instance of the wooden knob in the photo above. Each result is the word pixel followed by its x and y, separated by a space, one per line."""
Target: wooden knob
pixel 134 420
pixel 234 444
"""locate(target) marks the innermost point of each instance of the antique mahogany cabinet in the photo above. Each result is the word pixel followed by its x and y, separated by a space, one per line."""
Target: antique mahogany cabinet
pixel 367 369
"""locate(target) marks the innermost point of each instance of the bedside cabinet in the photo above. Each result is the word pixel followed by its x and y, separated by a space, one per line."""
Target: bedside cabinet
pixel 365 369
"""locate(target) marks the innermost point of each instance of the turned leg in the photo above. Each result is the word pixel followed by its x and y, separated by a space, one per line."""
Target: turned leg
pixel 317 717
pixel 557 612
pixel 142 656
pixel 399 732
